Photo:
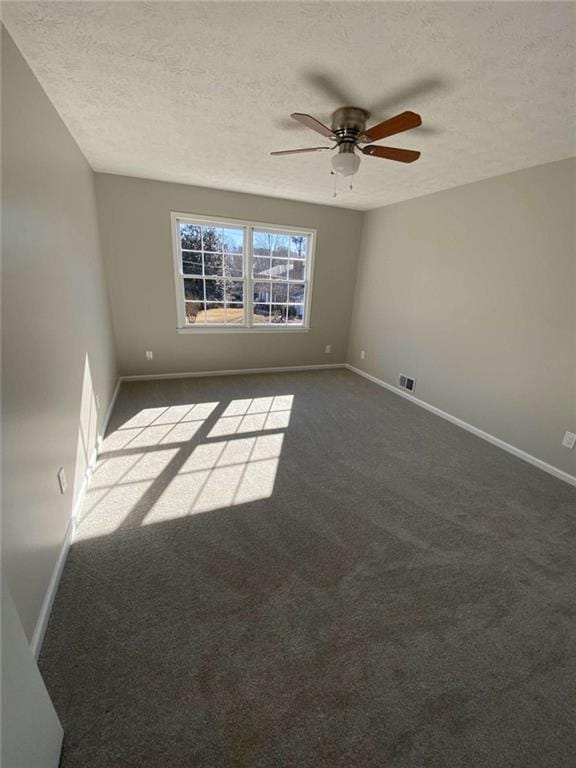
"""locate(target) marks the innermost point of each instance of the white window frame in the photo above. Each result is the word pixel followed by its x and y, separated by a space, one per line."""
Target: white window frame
pixel 248 227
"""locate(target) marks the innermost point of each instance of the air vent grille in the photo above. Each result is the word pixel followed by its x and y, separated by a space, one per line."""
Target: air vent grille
pixel 406 382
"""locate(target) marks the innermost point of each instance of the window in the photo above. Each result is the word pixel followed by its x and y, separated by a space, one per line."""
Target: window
pixel 241 276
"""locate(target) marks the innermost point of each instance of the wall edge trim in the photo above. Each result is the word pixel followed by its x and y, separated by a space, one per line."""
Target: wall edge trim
pixel 108 414
pixel 499 443
pixel 48 602
pixel 49 596
pixel 231 372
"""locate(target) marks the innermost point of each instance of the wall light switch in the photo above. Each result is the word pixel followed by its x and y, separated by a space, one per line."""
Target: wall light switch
pixel 149 354
pixel 569 440
pixel 62 480
pixel 328 349
pixel 97 402
pixel 362 354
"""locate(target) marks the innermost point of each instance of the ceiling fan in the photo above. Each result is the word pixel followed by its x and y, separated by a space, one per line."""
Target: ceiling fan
pixel 349 132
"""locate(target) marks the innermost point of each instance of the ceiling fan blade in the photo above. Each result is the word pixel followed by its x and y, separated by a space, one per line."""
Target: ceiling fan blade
pixel 311 122
pixel 297 151
pixel 392 153
pixel 402 122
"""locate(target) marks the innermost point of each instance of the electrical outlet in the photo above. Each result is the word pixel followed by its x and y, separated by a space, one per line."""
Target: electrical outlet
pixel 62 480
pixel 569 440
pixel 149 354
pixel 328 349
pixel 362 354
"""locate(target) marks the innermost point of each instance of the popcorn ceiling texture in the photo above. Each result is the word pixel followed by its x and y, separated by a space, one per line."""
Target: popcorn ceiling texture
pixel 199 93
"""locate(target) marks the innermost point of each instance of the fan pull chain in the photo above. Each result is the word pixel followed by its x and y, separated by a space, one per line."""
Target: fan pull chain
pixel 335 193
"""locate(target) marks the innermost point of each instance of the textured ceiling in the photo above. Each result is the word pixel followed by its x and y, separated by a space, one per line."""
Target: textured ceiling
pixel 199 93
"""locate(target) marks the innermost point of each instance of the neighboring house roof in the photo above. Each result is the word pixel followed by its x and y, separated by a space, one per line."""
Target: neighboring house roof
pixel 281 270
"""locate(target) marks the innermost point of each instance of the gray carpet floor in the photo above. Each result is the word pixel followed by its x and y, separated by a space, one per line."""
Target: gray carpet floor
pixel 307 571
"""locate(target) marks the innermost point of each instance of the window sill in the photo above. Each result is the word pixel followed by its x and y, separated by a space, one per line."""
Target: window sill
pixel 240 329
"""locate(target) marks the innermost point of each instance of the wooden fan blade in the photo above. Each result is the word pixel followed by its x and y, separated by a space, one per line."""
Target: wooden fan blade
pixel 297 151
pixel 402 122
pixel 392 153
pixel 311 122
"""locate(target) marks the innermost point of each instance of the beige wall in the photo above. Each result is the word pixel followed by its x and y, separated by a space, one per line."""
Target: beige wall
pixel 31 731
pixel 57 348
pixel 136 238
pixel 473 292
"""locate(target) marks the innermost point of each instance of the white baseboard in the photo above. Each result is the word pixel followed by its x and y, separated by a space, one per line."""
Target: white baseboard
pixel 48 602
pixel 106 419
pixel 233 372
pixel 552 470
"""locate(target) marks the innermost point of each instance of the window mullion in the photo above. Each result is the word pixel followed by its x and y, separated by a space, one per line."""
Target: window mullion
pixel 248 260
pixel 182 283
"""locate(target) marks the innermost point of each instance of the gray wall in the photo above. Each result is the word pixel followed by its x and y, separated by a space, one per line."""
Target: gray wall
pixel 473 292
pixel 55 328
pixel 136 238
pixel 31 731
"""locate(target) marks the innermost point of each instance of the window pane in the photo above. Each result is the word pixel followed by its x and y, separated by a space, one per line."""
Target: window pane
pixel 213 264
pixel 262 243
pixel 296 314
pixel 298 246
pixel 261 267
pixel 211 239
pixel 297 270
pixel 194 289
pixel 214 290
pixel 191 263
pixel 279 269
pixel 193 308
pixel 278 314
pixel 234 291
pixel 296 292
pixel 279 292
pixel 280 245
pixel 235 314
pixel 261 313
pixel 190 237
pixel 215 313
pixel 262 292
pixel 233 240
pixel 233 266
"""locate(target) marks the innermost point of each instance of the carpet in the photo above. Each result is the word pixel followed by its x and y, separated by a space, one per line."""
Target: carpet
pixel 303 570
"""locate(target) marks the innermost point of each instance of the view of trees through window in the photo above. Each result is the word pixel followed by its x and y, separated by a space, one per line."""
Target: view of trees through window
pixel 217 274
pixel 278 273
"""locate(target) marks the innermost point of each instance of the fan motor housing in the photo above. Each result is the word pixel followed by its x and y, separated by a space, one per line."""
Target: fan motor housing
pixel 348 124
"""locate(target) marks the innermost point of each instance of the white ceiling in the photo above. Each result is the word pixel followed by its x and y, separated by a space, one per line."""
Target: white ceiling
pixel 200 93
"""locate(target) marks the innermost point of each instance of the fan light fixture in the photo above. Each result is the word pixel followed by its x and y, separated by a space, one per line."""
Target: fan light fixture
pixel 346 163
pixel 351 136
